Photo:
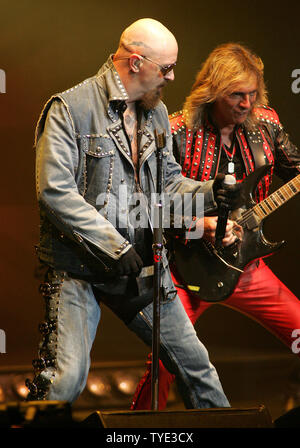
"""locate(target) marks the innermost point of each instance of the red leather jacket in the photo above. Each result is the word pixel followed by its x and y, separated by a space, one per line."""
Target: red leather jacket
pixel 199 152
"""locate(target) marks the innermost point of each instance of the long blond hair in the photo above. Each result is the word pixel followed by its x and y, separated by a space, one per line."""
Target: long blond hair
pixel 226 66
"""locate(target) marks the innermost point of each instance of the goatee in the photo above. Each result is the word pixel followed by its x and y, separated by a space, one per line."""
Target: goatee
pixel 151 99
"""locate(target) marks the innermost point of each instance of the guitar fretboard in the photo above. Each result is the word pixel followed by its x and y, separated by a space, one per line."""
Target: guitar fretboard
pixel 278 198
pixel 274 201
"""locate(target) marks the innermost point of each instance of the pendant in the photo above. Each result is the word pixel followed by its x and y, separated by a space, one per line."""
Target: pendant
pixel 230 168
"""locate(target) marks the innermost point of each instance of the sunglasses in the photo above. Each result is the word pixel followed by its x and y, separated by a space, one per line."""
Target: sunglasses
pixel 163 68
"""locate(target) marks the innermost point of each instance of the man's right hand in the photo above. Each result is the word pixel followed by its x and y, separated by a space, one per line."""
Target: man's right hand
pixel 233 230
pixel 129 264
pixel 229 195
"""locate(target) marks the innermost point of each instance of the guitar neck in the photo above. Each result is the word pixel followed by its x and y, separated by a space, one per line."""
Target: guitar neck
pixel 278 198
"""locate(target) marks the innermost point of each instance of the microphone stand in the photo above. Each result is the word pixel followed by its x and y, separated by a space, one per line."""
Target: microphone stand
pixel 157 247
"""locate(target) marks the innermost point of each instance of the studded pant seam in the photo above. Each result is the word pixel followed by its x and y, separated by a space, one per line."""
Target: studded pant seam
pixel 47 354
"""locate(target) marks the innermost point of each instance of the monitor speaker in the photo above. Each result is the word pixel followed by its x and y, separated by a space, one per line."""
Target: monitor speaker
pixel 197 418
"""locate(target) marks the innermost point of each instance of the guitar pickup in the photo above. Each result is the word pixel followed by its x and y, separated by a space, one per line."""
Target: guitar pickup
pixel 252 221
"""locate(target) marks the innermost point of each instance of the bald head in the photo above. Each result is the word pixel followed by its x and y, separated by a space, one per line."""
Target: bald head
pixel 148 37
pixel 145 59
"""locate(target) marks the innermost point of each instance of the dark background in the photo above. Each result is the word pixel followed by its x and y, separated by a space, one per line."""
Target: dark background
pixel 47 47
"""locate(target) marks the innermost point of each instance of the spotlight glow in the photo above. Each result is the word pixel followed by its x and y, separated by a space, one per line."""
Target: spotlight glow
pixel 126 383
pixel 98 385
pixel 2 395
pixel 22 390
pixel 19 386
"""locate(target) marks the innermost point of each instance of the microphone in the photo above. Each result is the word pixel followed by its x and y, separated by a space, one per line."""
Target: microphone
pixel 223 213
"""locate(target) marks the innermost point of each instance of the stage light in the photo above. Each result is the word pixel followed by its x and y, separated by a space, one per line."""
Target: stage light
pixel 126 382
pixel 19 387
pixel 2 395
pixel 22 390
pixel 98 385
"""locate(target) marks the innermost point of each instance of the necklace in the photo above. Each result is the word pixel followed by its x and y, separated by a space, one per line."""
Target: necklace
pixel 229 155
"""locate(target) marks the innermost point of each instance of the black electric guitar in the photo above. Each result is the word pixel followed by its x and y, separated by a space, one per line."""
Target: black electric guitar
pixel 213 274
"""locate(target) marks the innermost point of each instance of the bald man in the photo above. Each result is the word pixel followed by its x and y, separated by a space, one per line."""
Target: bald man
pixel 95 152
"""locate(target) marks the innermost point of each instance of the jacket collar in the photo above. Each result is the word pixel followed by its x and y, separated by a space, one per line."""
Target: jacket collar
pixel 116 92
pixel 115 89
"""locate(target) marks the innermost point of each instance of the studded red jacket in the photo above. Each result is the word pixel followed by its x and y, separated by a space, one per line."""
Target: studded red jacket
pixel 199 152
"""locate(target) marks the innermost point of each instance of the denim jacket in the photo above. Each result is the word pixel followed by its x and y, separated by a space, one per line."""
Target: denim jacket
pixel 83 156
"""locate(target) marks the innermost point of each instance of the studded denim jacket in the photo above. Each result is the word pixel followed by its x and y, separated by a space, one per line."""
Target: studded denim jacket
pixel 82 158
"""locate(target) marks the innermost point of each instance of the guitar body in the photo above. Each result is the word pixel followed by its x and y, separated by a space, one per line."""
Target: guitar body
pixel 200 265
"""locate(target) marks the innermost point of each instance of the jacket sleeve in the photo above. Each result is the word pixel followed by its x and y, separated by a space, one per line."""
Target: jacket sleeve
pixel 177 183
pixel 197 198
pixel 57 192
pixel 287 155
